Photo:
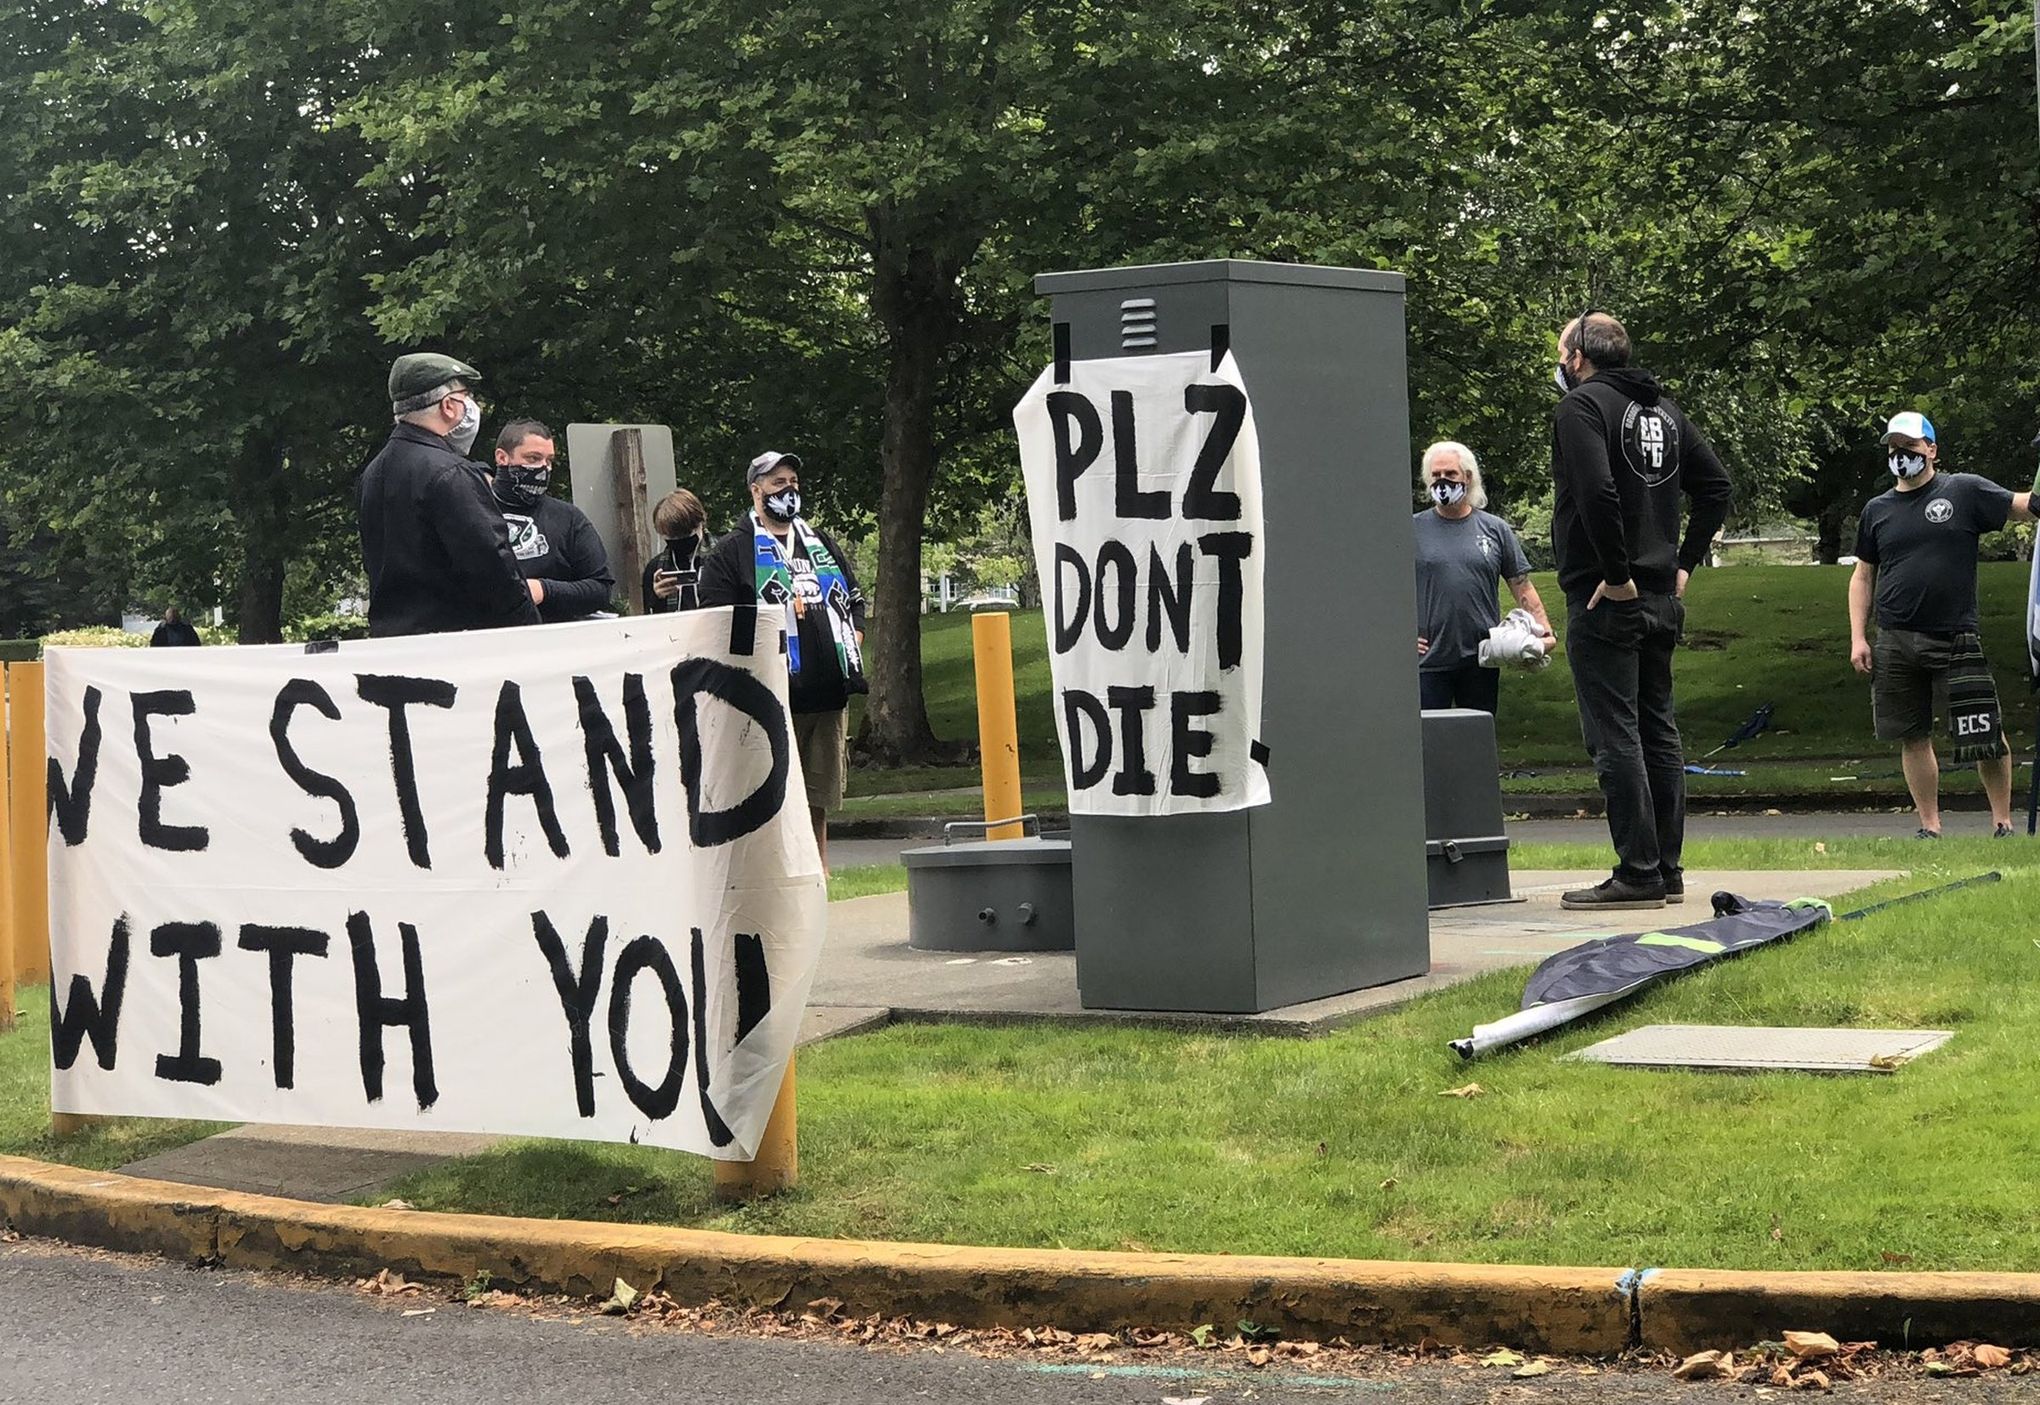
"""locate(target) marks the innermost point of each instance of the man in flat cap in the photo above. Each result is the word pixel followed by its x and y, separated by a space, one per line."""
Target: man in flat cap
pixel 784 562
pixel 433 541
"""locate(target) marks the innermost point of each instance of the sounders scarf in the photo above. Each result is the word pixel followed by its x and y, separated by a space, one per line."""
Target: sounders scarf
pixel 775 587
pixel 1974 725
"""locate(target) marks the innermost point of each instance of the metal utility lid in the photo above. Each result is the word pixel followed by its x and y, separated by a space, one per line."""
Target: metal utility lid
pixel 1753 1049
pixel 983 853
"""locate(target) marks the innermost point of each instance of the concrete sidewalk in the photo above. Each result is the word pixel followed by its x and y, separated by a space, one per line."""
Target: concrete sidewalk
pixel 870 977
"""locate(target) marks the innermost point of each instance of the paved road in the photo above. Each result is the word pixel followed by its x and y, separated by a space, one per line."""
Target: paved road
pixel 845 853
pixel 76 1327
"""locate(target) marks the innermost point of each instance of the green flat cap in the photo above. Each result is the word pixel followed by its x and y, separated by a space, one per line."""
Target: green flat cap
pixel 419 371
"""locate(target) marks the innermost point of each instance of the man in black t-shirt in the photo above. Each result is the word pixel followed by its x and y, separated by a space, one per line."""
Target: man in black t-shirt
pixel 565 566
pixel 1916 561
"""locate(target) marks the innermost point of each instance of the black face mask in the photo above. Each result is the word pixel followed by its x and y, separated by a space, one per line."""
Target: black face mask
pixel 682 551
pixel 522 485
pixel 784 505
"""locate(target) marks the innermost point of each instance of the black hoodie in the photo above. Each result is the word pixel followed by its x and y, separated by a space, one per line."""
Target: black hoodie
pixel 1621 454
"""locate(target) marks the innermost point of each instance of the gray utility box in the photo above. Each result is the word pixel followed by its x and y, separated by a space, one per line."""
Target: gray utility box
pixel 1466 848
pixel 997 895
pixel 1321 891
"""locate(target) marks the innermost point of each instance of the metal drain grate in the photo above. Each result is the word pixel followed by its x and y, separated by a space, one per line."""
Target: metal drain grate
pixel 1755 1048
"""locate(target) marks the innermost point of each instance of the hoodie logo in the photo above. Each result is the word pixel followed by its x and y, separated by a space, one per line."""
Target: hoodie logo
pixel 1940 510
pixel 1650 443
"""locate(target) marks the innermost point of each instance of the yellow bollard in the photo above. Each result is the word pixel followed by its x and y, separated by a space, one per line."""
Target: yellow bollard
pixel 27 782
pixel 991 638
pixel 6 875
pixel 777 1165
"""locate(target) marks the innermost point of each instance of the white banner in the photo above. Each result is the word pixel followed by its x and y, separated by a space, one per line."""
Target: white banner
pixel 556 881
pixel 1144 487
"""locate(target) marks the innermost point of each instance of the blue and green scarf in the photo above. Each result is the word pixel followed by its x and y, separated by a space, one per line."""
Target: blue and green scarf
pixel 775 587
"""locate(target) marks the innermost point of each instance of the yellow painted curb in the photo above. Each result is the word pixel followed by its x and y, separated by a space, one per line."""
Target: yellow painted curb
pixel 1579 1311
pixel 1688 1310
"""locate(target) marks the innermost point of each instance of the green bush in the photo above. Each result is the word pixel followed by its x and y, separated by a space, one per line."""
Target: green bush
pixel 327 627
pixel 96 636
pixel 20 650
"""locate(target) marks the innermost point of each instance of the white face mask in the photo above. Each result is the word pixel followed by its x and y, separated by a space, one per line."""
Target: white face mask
pixel 1447 494
pixel 1906 464
pixel 462 435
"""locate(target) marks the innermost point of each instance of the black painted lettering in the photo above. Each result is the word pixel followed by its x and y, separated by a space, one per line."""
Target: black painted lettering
pixel 694 680
pixel 577 991
pixel 395 693
pixel 1081 708
pixel 322 853
pixel 754 984
pixel 641 955
pixel 377 1012
pixel 283 945
pixel 1188 743
pixel 71 804
pixel 1133 776
pixel 719 1133
pixel 1069 615
pixel 89 1016
pixel 1201 498
pixel 1127 497
pixel 526 777
pixel 159 773
pixel 1067 410
pixel 1169 598
pixel 190 943
pixel 606 758
pixel 1230 550
pixel 1115 633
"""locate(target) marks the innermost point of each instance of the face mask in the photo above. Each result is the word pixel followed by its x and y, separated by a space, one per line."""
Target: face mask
pixel 1562 378
pixel 1906 465
pixel 784 505
pixel 462 435
pixel 1447 494
pixel 522 485
pixel 683 551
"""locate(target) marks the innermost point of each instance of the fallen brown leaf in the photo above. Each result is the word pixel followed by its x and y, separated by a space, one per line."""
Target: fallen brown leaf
pixel 1259 1356
pixel 1812 1380
pixel 1502 1356
pixel 1992 1358
pixel 1891 1258
pixel 1039 1168
pixel 1811 1346
pixel 1777 1231
pixel 826 1307
pixel 1390 1184
pixel 1705 1366
pixel 1531 1368
pixel 1470 1090
pixel 396 1205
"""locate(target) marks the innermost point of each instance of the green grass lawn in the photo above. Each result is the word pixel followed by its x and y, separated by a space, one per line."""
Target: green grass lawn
pixel 1106 1138
pixel 1755 634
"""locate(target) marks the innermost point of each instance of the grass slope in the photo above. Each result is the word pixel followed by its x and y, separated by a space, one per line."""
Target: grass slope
pixel 1755 634
pixel 1111 1138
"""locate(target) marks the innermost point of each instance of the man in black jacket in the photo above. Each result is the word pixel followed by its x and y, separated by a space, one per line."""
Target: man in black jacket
pixel 555 544
pixel 1622 454
pixel 432 540
pixel 778 560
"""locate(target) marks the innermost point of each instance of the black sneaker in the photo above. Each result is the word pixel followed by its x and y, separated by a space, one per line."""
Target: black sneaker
pixel 1614 894
pixel 1675 888
pixel 2003 831
pixel 1927 834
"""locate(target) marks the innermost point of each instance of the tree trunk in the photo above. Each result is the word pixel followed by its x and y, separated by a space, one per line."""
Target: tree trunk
pixel 915 299
pixel 262 511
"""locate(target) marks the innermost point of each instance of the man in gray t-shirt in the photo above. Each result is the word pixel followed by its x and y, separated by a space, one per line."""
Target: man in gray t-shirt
pixel 1463 556
pixel 1916 561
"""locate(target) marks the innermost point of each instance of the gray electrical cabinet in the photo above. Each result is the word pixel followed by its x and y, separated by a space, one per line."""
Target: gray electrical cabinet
pixel 1466 847
pixel 1322 891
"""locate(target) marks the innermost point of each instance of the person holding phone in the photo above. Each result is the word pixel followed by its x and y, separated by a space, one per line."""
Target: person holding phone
pixel 672 578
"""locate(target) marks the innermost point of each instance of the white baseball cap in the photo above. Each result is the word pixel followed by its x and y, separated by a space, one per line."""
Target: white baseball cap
pixel 1909 424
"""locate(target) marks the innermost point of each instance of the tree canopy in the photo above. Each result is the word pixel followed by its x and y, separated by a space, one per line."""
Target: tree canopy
pixel 814 226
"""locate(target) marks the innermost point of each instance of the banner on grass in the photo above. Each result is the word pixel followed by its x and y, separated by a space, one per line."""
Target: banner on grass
pixel 1144 489
pixel 543 881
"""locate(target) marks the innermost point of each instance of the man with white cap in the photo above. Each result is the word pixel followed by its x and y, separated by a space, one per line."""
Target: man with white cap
pixel 1916 562
pixel 784 562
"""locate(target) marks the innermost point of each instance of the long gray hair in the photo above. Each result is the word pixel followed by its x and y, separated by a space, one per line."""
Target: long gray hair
pixel 1476 493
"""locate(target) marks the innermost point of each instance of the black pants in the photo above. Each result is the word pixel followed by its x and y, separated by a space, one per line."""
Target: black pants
pixel 1621 656
pixel 1469 685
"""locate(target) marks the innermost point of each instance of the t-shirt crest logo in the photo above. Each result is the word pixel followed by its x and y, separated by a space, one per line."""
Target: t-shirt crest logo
pixel 1650 443
pixel 527 542
pixel 1487 547
pixel 1940 510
